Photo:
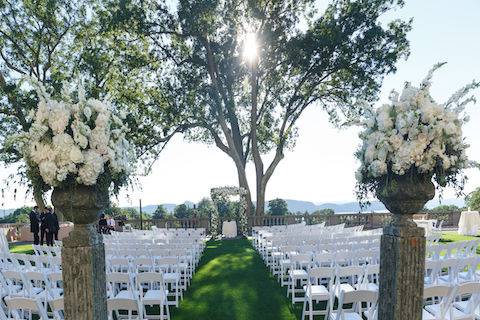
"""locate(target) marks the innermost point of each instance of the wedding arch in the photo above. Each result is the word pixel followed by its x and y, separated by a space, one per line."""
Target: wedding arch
pixel 223 194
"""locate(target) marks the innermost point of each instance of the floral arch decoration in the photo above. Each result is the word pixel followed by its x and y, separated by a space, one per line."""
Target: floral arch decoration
pixel 221 194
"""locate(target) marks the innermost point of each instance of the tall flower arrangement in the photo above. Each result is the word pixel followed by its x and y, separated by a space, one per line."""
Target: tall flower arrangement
pixel 76 140
pixel 414 135
pixel 222 194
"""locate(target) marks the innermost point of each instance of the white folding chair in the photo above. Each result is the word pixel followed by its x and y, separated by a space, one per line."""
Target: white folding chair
pixel 438 302
pixel 152 292
pixel 120 286
pixel 467 301
pixel 318 289
pixel 25 308
pixel 117 306
pixel 298 273
pixel 357 298
pixel 171 276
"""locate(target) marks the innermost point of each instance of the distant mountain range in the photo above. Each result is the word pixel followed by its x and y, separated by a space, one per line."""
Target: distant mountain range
pixel 306 206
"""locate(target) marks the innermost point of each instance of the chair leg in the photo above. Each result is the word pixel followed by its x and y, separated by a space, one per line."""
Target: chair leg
pixel 304 308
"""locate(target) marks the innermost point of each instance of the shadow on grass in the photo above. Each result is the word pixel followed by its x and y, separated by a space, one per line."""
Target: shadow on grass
pixel 233 283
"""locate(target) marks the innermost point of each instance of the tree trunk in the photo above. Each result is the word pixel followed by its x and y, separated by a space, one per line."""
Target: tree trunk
pixel 38 196
pixel 243 183
pixel 260 209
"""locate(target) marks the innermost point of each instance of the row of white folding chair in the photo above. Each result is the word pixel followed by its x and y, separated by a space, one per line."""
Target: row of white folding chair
pixel 156 251
pixel 40 250
pixel 30 283
pixel 324 284
pixel 301 264
pixel 128 264
pixel 184 266
pixel 280 260
pixel 453 249
pixel 30 262
pixel 457 302
pixel 452 271
pixel 18 308
pixel 146 288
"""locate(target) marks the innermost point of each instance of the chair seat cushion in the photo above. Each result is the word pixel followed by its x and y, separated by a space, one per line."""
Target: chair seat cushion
pixel 434 309
pixel 316 292
pixel 155 297
pixel 173 276
pixel 343 287
pixel 299 273
pixel 127 294
pixel 347 316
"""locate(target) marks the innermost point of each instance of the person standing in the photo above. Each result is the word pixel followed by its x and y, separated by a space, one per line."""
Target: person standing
pixel 50 227
pixel 55 219
pixel 43 226
pixel 34 224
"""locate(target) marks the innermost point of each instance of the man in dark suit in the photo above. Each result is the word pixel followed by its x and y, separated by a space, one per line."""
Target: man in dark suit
pixel 55 219
pixel 50 226
pixel 34 224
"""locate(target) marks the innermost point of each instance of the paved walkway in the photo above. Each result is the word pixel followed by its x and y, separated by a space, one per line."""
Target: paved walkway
pixel 232 283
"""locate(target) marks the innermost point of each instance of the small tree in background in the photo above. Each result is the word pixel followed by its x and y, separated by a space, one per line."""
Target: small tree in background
pixel 278 207
pixel 444 209
pixel 205 208
pixel 473 200
pixel 325 212
pixel 160 212
pixel 182 211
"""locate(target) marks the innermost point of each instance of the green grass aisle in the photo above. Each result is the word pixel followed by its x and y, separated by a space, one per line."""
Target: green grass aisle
pixel 232 283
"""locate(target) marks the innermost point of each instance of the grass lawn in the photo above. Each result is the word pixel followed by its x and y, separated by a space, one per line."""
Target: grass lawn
pixel 21 248
pixel 233 283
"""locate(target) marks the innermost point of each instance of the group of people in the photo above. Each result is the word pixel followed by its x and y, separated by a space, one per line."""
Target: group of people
pixel 106 224
pixel 46 223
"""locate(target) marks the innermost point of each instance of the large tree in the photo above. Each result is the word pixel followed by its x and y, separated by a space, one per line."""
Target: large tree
pixel 56 41
pixel 248 104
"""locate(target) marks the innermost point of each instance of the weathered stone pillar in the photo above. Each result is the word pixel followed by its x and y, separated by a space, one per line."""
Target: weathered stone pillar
pixel 402 265
pixel 83 253
pixel 402 249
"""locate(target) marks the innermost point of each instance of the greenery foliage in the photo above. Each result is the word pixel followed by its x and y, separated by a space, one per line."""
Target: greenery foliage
pixel 20 215
pixel 326 212
pixel 182 211
pixel 160 213
pixel 473 200
pixel 278 207
pixel 444 209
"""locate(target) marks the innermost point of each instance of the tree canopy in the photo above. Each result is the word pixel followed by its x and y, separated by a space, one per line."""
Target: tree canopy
pixel 277 207
pixel 473 200
pixel 335 59
pixel 160 212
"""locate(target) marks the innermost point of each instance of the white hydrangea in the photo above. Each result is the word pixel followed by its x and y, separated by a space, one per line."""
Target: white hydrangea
pixel 76 139
pixel 412 131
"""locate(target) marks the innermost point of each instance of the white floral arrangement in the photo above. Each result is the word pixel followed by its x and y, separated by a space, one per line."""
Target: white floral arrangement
pixel 413 134
pixel 221 195
pixel 76 141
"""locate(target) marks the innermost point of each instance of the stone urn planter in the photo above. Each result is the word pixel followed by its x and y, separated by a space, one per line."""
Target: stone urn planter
pixel 405 195
pixel 83 252
pixel 402 252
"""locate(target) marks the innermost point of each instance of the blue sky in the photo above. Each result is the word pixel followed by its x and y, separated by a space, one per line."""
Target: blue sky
pixel 321 167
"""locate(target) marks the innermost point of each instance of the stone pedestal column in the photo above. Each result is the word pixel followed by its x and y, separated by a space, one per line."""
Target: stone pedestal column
pixel 402 249
pixel 83 253
pixel 402 265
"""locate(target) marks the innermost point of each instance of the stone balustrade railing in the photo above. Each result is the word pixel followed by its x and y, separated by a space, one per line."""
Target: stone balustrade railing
pixel 21 232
